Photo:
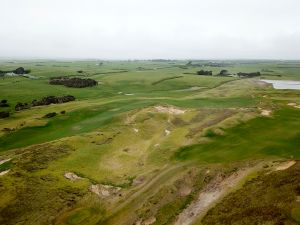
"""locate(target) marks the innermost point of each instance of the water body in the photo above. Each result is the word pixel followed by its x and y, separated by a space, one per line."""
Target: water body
pixel 284 84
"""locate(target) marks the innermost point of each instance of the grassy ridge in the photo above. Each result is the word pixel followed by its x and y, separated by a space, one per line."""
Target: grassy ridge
pixel 276 136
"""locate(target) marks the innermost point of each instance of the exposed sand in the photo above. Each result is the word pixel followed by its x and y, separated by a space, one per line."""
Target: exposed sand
pixel 170 110
pixel 149 221
pixel 72 176
pixel 4 161
pixel 294 105
pixel 167 132
pixel 104 191
pixel 285 165
pixel 266 112
pixel 4 172
pixel 208 197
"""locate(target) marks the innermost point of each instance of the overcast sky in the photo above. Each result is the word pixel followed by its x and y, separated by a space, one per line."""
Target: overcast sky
pixel 145 29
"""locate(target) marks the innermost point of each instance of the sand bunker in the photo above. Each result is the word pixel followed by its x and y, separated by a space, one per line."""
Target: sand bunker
pixel 265 112
pixel 170 110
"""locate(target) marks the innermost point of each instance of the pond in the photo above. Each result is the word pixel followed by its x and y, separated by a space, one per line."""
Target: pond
pixel 284 84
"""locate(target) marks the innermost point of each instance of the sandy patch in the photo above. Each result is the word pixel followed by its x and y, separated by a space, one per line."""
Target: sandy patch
pixel 265 112
pixel 167 132
pixel 4 161
pixel 294 105
pixel 4 172
pixel 149 221
pixel 170 110
pixel 104 191
pixel 72 176
pixel 285 165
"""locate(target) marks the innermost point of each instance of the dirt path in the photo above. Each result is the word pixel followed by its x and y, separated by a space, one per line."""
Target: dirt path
pixel 210 195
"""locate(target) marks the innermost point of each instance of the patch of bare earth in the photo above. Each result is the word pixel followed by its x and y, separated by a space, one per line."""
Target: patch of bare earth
pixel 214 191
pixel 170 110
pixel 266 112
pixel 104 191
pixel 149 221
pixel 4 172
pixel 294 105
pixel 72 176
pixel 285 165
pixel 4 161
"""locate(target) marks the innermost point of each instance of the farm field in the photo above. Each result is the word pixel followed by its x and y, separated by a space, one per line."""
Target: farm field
pixel 152 143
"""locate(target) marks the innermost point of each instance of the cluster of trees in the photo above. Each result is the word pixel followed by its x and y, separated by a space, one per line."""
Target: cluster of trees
pixel 4 103
pixel 73 82
pixel 53 100
pixel 253 74
pixel 44 101
pixel 4 114
pixel 18 71
pixel 226 73
pixel 21 106
pixel 50 115
pixel 203 72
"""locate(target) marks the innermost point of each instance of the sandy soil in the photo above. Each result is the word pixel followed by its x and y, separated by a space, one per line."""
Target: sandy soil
pixel 167 132
pixel 4 172
pixel 72 176
pixel 104 191
pixel 4 161
pixel 265 112
pixel 146 222
pixel 285 165
pixel 210 195
pixel 170 110
pixel 294 105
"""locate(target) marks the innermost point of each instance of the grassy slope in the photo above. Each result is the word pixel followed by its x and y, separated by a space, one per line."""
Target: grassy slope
pixel 276 136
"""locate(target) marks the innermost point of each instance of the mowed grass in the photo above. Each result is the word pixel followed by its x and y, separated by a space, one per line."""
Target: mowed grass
pixel 260 137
